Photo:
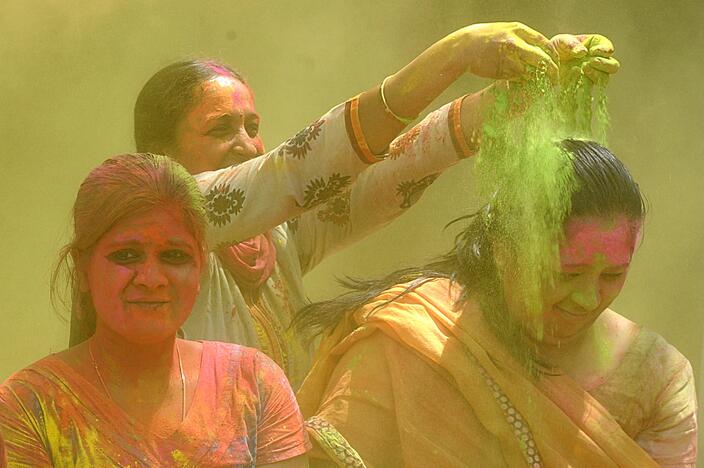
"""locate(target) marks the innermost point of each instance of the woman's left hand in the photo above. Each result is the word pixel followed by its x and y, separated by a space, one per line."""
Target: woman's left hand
pixel 590 55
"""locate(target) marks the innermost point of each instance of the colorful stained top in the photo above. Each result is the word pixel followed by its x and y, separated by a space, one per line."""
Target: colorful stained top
pixel 243 413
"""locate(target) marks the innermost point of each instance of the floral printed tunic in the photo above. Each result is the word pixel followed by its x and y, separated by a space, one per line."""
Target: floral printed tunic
pixel 320 191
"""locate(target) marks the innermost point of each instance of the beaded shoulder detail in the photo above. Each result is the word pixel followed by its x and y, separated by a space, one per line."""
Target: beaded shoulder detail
pixel 333 443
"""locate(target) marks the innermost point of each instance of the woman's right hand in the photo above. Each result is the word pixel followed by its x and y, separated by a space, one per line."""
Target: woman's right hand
pixel 506 51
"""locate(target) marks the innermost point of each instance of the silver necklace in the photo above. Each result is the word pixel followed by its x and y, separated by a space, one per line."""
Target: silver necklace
pixel 180 368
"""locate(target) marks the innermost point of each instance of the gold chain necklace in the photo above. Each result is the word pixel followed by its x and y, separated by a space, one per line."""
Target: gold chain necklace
pixel 180 368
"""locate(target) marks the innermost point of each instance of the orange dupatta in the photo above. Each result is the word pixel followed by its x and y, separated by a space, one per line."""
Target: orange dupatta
pixel 567 425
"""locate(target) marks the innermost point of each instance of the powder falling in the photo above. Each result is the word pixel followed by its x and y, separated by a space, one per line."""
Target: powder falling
pixel 528 179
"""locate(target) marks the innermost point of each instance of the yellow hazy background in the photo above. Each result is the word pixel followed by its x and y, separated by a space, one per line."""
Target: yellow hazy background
pixel 70 71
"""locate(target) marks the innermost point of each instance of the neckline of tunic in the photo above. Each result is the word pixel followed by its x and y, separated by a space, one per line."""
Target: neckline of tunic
pixel 95 400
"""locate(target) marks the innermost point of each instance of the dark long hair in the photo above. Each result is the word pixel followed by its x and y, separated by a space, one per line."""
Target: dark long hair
pixel 605 188
pixel 167 96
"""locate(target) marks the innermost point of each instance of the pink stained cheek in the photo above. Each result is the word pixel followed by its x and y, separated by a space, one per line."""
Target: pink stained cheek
pixel 107 285
pixel 589 240
pixel 188 287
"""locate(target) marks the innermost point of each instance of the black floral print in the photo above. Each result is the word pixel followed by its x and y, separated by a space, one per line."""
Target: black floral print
pixel 337 210
pixel 299 145
pixel 319 190
pixel 411 190
pixel 222 202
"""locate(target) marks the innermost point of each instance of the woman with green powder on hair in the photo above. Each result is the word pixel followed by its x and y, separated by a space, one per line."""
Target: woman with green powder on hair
pixel 447 365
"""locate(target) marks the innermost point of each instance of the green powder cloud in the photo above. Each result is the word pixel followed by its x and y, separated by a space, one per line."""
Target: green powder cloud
pixel 528 180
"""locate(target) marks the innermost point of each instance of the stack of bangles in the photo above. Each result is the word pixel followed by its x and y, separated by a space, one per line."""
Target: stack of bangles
pixel 387 109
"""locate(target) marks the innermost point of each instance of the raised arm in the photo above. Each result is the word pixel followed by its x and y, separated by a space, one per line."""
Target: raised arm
pixel 387 189
pixel 323 160
pixel 415 159
pixel 504 51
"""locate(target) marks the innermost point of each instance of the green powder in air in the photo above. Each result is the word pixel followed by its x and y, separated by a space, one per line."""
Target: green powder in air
pixel 528 180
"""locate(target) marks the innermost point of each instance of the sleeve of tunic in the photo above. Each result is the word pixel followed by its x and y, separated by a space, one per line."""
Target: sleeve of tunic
pixel 21 428
pixel 280 431
pixel 671 435
pixel 308 170
pixel 383 191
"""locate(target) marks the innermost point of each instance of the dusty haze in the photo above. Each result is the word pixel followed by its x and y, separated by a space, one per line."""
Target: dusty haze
pixel 71 71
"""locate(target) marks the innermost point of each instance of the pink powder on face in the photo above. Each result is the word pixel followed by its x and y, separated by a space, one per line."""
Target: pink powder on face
pixel 589 238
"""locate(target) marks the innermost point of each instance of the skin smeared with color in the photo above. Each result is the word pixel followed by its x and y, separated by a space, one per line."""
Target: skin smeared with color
pixel 595 256
pixel 133 393
pixel 144 276
pixel 221 130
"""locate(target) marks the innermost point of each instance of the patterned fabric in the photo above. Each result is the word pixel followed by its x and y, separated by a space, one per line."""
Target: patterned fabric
pixel 337 210
pixel 299 145
pixel 322 182
pixel 653 398
pixel 333 443
pixel 520 427
pixel 321 190
pixel 243 413
pixel 411 190
pixel 222 202
pixel 462 146
pixel 414 381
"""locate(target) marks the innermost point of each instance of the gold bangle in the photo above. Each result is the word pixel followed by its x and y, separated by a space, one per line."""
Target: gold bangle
pixel 403 120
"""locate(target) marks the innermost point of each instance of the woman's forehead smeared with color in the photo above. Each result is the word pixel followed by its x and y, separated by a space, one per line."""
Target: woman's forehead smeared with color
pixel 590 238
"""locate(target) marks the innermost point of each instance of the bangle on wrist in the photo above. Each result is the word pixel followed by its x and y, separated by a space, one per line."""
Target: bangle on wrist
pixel 403 120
